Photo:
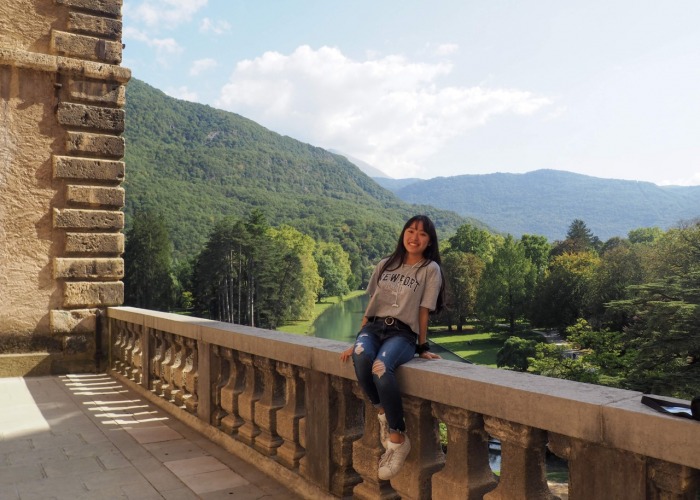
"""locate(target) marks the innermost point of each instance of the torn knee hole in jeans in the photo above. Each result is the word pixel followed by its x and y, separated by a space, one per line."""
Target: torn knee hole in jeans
pixel 378 368
pixel 359 348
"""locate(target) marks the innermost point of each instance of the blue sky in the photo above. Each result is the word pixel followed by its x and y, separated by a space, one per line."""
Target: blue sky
pixel 447 87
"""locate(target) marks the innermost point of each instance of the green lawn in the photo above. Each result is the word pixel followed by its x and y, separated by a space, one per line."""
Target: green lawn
pixel 477 346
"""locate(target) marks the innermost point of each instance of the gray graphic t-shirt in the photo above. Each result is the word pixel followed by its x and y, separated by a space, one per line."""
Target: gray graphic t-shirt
pixel 400 292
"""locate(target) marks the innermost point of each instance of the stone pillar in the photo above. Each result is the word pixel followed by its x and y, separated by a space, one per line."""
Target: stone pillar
pixel 62 94
pixel 288 418
pixel 190 373
pixel 233 380
pixel 523 467
pixel 596 470
pixel 426 456
pixel 669 481
pixel 347 428
pixel 219 370
pixel 467 474
pixel 247 399
pixel 365 456
pixel 315 466
pixel 271 400
pixel 135 353
pixel 157 357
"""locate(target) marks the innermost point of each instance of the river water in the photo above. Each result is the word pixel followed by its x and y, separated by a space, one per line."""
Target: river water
pixel 341 321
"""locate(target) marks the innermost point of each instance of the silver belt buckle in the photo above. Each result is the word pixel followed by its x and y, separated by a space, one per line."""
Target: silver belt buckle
pixel 388 321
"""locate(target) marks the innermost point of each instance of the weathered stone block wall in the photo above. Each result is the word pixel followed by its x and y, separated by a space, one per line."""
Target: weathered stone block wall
pixel 62 95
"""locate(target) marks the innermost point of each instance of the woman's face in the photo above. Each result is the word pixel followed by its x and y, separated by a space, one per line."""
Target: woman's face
pixel 415 240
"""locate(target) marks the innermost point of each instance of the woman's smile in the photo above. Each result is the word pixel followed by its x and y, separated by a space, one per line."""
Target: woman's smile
pixel 415 240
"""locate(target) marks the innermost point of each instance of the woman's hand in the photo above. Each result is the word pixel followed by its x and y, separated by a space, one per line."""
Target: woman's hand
pixel 346 354
pixel 429 355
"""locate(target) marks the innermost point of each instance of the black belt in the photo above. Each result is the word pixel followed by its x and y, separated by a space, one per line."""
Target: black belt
pixel 389 321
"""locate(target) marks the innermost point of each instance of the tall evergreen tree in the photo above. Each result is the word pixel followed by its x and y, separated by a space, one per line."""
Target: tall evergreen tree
pixel 579 238
pixel 148 278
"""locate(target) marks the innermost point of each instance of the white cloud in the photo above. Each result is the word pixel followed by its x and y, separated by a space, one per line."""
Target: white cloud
pixel 217 27
pixel 163 13
pixel 182 93
pixel 202 65
pixel 390 111
pixel 692 179
pixel 165 48
pixel 446 49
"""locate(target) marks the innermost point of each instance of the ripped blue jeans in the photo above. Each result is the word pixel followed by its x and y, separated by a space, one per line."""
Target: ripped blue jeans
pixel 380 349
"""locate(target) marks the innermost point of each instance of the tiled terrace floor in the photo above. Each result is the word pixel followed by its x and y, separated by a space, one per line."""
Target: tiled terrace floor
pixel 89 437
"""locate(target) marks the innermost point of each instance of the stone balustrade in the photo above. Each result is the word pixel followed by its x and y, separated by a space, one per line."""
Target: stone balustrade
pixel 287 405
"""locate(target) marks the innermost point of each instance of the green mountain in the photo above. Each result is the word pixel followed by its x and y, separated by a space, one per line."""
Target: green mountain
pixel 545 202
pixel 195 164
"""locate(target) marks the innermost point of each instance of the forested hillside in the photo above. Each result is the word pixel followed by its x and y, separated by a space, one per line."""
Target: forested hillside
pixel 195 164
pixel 544 202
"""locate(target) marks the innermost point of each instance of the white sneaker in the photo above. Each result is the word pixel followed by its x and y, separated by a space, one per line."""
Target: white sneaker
pixel 391 462
pixel 383 429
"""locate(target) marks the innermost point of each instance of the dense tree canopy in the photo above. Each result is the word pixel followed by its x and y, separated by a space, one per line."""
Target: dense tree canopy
pixel 334 268
pixel 462 273
pixel 472 239
pixel 507 283
pixel 250 273
pixel 665 321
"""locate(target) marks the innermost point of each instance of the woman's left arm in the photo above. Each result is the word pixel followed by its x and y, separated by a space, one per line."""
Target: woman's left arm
pixel 423 315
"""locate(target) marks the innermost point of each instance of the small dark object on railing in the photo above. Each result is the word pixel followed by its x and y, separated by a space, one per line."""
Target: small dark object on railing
pixel 691 411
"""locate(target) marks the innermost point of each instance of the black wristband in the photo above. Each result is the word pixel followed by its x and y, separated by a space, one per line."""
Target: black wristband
pixel 421 348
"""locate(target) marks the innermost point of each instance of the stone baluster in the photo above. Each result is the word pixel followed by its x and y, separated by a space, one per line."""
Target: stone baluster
pixel 365 456
pixel 303 375
pixel 266 408
pixel 247 399
pixel 119 328
pixel 128 349
pixel 288 417
pixel 346 429
pixel 189 376
pixel 467 474
pixel 136 354
pixel 523 467
pixel 234 385
pixel 157 362
pixel 220 371
pixel 166 364
pixel 123 348
pixel 174 390
pixel 426 456
pixel 607 465
pixel 669 481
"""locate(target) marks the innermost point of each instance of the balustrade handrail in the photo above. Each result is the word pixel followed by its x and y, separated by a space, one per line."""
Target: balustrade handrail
pixel 574 417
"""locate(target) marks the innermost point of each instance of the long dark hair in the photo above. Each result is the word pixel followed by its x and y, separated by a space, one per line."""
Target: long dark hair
pixel 431 253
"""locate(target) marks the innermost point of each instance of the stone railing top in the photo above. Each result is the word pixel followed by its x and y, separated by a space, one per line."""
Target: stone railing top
pixel 602 415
